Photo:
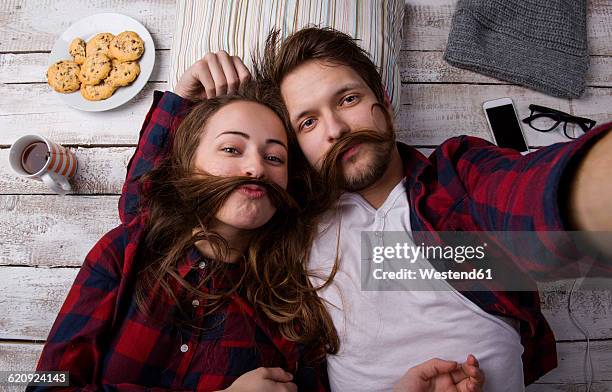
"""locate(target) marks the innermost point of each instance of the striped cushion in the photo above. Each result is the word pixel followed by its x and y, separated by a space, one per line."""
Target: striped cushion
pixel 236 26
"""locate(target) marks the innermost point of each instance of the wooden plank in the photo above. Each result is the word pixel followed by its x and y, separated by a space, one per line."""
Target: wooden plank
pixel 64 231
pixel 427 25
pixel 596 104
pixel 100 170
pixel 430 67
pixel 34 108
pixel 53 230
pixel 599 26
pixel 23 356
pixel 604 386
pixel 571 359
pixel 33 296
pixel 19 356
pixel 432 113
pixel 415 67
pixel 591 306
pixel 567 377
pixel 36 25
pixel 31 67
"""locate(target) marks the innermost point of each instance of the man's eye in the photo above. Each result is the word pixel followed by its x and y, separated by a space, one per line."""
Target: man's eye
pixel 350 99
pixel 307 123
pixel 230 150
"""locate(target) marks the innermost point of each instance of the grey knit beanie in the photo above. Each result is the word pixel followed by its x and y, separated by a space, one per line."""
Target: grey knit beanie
pixel 540 44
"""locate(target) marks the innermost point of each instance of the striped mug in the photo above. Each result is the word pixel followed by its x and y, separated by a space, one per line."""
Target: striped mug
pixel 34 156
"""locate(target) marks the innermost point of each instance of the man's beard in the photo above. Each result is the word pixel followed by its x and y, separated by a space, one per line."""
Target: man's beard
pixel 377 168
pixel 332 173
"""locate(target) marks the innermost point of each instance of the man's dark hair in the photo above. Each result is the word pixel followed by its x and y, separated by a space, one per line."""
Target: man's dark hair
pixel 313 43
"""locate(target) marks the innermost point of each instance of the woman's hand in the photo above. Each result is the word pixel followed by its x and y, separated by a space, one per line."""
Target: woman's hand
pixel 213 75
pixel 437 375
pixel 263 380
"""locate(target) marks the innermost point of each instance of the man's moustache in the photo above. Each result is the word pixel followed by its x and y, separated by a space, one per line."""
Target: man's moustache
pixel 330 170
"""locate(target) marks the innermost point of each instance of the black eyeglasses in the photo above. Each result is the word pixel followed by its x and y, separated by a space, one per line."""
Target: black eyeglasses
pixel 547 119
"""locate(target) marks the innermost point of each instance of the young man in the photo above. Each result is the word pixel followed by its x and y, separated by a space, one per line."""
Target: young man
pixel 330 88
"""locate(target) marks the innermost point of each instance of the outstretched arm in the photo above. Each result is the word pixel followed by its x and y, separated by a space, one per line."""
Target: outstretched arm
pixel 590 189
pixel 543 192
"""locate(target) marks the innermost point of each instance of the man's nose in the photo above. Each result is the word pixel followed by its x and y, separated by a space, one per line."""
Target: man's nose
pixel 336 127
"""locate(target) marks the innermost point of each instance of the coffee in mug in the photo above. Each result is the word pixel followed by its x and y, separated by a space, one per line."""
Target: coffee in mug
pixel 34 156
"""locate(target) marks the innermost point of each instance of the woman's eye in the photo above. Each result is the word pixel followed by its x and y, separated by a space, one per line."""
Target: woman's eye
pixel 230 150
pixel 275 159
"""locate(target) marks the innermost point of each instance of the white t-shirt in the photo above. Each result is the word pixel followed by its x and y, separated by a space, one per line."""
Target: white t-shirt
pixel 384 333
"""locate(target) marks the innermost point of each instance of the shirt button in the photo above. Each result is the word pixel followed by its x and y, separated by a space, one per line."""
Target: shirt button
pixel 202 265
pixel 195 302
pixel 184 348
pixel 378 234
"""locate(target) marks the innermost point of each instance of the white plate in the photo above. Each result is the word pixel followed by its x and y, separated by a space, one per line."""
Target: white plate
pixel 86 28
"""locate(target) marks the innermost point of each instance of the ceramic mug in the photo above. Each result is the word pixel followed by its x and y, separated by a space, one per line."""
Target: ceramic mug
pixel 36 157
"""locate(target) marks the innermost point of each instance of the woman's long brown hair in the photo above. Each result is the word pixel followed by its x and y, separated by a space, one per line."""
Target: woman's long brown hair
pixel 178 199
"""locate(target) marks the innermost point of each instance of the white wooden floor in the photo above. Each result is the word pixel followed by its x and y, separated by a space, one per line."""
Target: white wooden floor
pixel 44 238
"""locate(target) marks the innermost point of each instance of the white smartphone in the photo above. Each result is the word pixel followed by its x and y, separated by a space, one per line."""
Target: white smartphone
pixel 504 124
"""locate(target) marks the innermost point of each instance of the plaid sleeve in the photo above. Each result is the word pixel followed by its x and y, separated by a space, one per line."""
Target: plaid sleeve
pixel 76 341
pixel 510 192
pixel 154 142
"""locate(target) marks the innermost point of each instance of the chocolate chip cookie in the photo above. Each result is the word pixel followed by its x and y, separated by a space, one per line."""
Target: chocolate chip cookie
pixel 100 43
pixel 122 74
pixel 127 46
pixel 98 92
pixel 63 76
pixel 77 50
pixel 95 69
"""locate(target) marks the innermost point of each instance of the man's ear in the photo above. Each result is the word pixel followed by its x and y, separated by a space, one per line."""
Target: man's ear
pixel 387 103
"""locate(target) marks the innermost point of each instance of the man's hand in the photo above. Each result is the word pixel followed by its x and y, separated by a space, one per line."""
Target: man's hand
pixel 213 75
pixel 437 375
pixel 263 380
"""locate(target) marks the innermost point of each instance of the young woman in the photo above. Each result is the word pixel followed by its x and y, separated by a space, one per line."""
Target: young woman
pixel 202 286
pixel 203 282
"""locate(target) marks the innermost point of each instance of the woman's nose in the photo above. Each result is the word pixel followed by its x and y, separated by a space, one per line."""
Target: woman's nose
pixel 253 167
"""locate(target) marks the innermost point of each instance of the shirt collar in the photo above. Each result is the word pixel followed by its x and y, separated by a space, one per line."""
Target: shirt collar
pixel 195 261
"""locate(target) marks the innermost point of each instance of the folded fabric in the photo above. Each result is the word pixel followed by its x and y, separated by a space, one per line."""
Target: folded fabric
pixel 238 27
pixel 538 44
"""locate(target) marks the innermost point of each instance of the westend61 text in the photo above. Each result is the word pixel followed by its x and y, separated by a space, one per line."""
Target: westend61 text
pixel 432 274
